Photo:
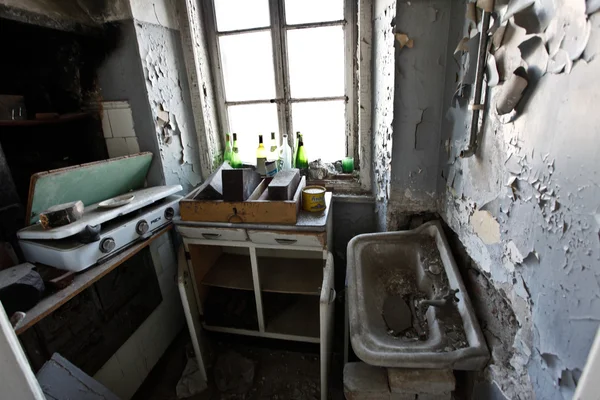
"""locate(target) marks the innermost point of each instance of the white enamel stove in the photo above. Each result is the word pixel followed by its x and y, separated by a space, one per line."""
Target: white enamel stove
pixel 102 232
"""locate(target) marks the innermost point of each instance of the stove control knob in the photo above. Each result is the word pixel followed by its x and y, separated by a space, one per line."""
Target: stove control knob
pixel 141 227
pixel 169 213
pixel 107 245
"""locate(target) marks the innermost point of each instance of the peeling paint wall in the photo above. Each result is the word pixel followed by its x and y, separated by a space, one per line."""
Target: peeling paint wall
pixel 383 104
pixel 419 86
pixel 148 69
pixel 204 104
pixel 168 94
pixel 526 207
pixel 120 77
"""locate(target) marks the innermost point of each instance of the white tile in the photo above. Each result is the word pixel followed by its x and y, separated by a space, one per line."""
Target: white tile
pixel 121 122
pixel 132 145
pixel 116 147
pixel 106 125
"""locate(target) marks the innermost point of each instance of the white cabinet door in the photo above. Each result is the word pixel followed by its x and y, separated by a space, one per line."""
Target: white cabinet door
pixel 191 310
pixel 327 303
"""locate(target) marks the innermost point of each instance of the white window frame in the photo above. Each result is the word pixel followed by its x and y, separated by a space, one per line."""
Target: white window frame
pixel 283 99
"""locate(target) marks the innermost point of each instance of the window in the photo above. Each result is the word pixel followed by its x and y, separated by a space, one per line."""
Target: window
pixel 285 66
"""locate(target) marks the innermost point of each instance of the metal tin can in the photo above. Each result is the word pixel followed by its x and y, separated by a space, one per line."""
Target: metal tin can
pixel 313 198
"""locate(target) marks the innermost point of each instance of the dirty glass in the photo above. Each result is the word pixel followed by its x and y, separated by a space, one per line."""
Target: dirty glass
pixel 241 14
pixel 322 124
pixel 316 62
pixel 304 11
pixel 248 121
pixel 247 61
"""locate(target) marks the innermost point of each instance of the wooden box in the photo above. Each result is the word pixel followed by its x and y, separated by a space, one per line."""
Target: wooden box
pixel 254 210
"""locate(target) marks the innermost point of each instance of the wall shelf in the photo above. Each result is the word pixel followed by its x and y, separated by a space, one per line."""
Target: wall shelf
pixel 47 121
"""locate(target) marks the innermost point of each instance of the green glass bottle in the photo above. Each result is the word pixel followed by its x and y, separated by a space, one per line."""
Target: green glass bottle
pixel 301 159
pixel 298 140
pixel 228 154
pixel 236 161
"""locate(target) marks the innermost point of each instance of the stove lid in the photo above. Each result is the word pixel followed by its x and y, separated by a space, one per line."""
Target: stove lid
pixel 94 215
pixel 90 183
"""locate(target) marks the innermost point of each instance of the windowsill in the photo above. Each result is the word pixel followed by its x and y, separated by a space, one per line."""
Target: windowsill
pixel 327 175
pixel 341 185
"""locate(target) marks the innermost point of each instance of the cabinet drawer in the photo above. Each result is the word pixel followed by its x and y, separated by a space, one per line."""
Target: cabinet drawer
pixel 207 233
pixel 304 239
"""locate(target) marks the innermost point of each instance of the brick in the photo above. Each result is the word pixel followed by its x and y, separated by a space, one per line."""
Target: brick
pixel 365 382
pixel 439 396
pixel 421 381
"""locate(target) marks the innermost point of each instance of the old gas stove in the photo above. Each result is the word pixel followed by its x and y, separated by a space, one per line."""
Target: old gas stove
pixel 102 232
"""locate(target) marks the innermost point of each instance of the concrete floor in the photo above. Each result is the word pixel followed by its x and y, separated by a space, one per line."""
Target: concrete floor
pixel 282 370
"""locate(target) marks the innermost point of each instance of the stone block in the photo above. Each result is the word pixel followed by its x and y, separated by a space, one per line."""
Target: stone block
pixel 439 396
pixel 365 382
pixel 421 381
pixel 403 396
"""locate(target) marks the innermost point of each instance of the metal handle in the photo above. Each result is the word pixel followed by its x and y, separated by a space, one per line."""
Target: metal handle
pixel 211 235
pixel 286 241
pixel 332 295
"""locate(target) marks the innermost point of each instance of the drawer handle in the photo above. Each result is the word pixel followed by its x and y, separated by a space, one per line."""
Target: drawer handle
pixel 211 235
pixel 286 241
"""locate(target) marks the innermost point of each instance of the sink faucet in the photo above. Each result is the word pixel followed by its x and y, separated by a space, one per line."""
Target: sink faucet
pixel 442 300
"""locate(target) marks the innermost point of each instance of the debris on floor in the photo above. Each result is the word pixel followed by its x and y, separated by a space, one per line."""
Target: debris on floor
pixel 191 381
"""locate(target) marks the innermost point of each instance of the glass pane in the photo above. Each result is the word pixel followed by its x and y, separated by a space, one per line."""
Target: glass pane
pixel 316 61
pixel 241 14
pixel 303 11
pixel 248 66
pixel 248 121
pixel 323 127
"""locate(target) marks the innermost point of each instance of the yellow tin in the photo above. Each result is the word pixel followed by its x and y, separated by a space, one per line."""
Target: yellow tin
pixel 313 198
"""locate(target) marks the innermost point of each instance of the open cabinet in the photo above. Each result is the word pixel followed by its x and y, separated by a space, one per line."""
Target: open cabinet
pixel 278 291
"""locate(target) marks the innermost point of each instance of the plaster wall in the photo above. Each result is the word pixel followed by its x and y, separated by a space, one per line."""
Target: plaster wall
pixel 525 207
pixel 419 86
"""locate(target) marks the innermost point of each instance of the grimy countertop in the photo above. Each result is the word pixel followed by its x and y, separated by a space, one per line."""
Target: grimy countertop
pixel 307 221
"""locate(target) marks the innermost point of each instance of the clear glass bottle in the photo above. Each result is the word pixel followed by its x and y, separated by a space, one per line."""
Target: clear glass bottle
pixel 261 157
pixel 286 154
pixel 236 161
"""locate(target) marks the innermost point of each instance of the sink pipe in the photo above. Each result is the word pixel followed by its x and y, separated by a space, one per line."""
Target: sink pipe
pixel 476 106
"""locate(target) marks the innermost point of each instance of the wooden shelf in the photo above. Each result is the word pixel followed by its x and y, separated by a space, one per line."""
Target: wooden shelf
pixel 231 271
pixel 301 318
pixel 291 275
pixel 277 275
pixel 47 121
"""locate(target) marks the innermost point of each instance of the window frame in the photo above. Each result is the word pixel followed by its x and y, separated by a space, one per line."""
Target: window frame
pixel 278 28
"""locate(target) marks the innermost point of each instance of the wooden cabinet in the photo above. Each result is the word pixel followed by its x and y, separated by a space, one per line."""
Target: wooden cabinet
pixel 260 281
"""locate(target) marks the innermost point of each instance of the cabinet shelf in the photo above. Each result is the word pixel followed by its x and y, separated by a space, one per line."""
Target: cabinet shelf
pixel 231 271
pixel 299 318
pixel 277 275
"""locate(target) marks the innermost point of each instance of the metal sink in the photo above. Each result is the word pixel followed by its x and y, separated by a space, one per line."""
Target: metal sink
pixel 416 265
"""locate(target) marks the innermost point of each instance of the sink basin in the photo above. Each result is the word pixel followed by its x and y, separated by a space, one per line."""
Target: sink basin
pixel 414 265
